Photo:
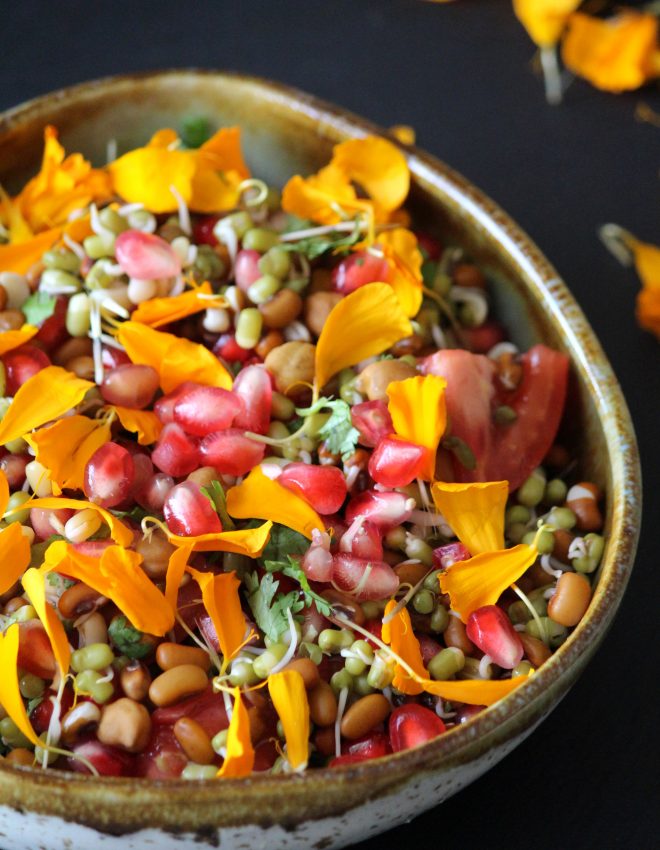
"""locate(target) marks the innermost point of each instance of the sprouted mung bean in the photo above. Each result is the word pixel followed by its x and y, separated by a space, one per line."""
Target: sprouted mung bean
pixel 276 492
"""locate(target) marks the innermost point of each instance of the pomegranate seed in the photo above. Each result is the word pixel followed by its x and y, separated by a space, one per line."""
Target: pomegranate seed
pixel 375 627
pixel 363 540
pixel 109 761
pixel 246 268
pixel 40 520
pixel 162 758
pixel 317 561
pixel 313 621
pixel 43 711
pixel 230 351
pixel 324 487
pixel 372 419
pixel 266 754
pixel 144 471
pixel 113 357
pixel 357 270
pixel 230 452
pixel 350 575
pixel 450 553
pixel 384 510
pixel 207 708
pixel 52 331
pixel 34 650
pixel 154 492
pixel 411 725
pixel 482 339
pixel 429 245
pixel 13 467
pixel 253 386
pixel 490 629
pixel 21 364
pixel 429 647
pixel 203 410
pixel 203 231
pixel 146 256
pixel 175 454
pixel 92 548
pixel 372 746
pixel 164 407
pixel 188 512
pixel 395 463
pixel 109 475
pixel 467 712
pixel 130 385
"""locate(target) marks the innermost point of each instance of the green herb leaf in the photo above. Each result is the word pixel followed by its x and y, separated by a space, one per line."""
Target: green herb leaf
pixel 338 432
pixel 216 495
pixel 195 130
pixel 291 568
pixel 314 246
pixel 127 639
pixel 268 607
pixel 283 541
pixel 38 307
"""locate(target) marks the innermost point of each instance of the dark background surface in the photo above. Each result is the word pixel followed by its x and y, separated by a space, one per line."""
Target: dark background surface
pixel 461 75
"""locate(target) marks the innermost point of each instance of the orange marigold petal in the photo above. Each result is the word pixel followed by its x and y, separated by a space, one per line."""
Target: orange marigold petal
pixel 144 423
pixel 4 493
pixel 320 196
pixel 475 512
pixel 239 759
pixel 398 633
pixel 544 20
pixel 648 310
pixel 287 691
pixel 222 152
pixel 647 263
pixel 378 166
pixel 12 339
pixel 401 250
pixel 14 555
pixel 363 324
pixel 419 413
pixel 45 396
pixel 259 496
pixel 81 436
pixel 482 580
pixel 19 257
pixel 34 584
pixel 246 541
pixel 176 567
pixel 144 176
pixel 175 359
pixel 10 694
pixel 119 532
pixel 474 691
pixel 162 311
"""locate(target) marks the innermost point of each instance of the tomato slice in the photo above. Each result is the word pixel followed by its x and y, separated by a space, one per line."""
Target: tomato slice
pixel 502 452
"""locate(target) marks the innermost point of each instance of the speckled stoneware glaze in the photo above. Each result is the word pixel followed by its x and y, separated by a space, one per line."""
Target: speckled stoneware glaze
pixel 285 132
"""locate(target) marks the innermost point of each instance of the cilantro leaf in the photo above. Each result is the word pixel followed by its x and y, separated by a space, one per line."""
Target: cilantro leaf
pixel 292 569
pixel 38 307
pixel 338 432
pixel 127 639
pixel 283 541
pixel 268 607
pixel 314 246
pixel 216 495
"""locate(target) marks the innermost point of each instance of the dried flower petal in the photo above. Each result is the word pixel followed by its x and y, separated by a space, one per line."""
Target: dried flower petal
pixel 163 311
pixel 364 323
pixel 81 436
pixel 175 359
pixel 239 759
pixel 475 512
pixel 419 413
pixel 14 555
pixel 618 54
pixel 481 580
pixel 398 633
pixel 223 605
pixel 287 690
pixel 10 694
pixel 245 541
pixel 119 532
pixel 34 584
pixel 45 396
pixel 259 496
pixel 544 20
pixel 12 339
pixel 144 423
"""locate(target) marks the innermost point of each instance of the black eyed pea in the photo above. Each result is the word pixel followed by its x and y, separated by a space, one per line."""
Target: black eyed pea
pixel 78 720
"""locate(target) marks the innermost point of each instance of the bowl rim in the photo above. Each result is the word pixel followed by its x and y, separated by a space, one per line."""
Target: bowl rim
pixel 542 283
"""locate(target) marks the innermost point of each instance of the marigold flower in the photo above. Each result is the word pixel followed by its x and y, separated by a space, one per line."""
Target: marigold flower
pixel 419 413
pixel 10 694
pixel 34 584
pixel 239 759
pixel 287 690
pixel 544 20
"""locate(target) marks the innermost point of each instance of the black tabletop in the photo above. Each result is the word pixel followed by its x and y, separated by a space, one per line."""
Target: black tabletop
pixel 461 74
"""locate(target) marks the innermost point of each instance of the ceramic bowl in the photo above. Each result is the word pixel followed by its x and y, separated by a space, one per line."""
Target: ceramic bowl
pixel 287 132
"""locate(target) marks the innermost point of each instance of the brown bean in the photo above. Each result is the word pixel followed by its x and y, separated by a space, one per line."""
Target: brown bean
pixel 176 684
pixel 79 599
pixel 582 499
pixel 563 540
pixel 322 704
pixel 268 342
pixel 324 741
pixel 194 741
pixel 81 366
pixel 3 298
pixel 535 650
pixel 318 306
pixel 392 558
pixel 363 715
pixel 126 724
pixel 11 320
pixel 20 756
pixel 412 344
pixel 467 274
pixel 135 681
pixel 77 346
pixel 292 366
pixel 346 605
pixel 259 729
pixel 571 599
pixel 307 669
pixel 285 306
pixel 374 379
pixel 93 629
pixel 455 635
pixel 14 604
pixel 155 550
pixel 321 280
pixel 410 573
pixel 79 719
pixel 169 655
pixel 557 457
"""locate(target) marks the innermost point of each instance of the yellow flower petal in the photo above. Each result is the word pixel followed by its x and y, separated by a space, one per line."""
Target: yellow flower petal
pixel 14 555
pixel 364 323
pixel 287 691
pixel 144 423
pixel 175 359
pixel 12 339
pixel 247 541
pixel 222 152
pixel 219 172
pixel 176 567
pixel 10 694
pixel 223 605
pixel 20 256
pixel 34 584
pixel 544 20
pixel 482 580
pixel 475 513
pixel 239 759
pixel 259 496
pixel 377 166
pixel 119 532
pixel 162 311
pixel 398 633
pixel 405 260
pixel 144 176
pixel 117 575
pixel 618 54
pixel 81 436
pixel 419 413
pixel 4 493
pixel 474 691
pixel 647 310
pixel 45 396
pixel 404 133
pixel 320 196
